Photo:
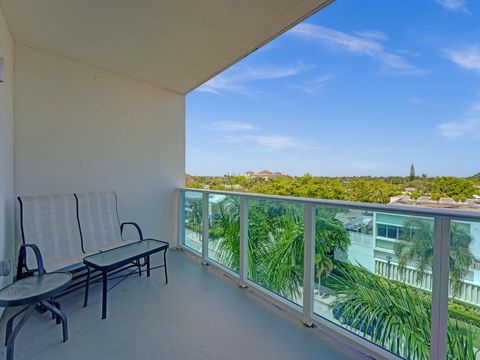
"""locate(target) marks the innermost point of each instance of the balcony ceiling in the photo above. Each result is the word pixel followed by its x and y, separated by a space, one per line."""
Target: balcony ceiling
pixel 177 44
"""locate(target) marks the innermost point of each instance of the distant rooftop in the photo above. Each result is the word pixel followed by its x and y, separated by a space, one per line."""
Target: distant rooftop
pixel 444 202
pixel 266 174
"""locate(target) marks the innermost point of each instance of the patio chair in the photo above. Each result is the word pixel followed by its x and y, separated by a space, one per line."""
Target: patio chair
pixel 50 223
pixel 99 222
pixel 67 228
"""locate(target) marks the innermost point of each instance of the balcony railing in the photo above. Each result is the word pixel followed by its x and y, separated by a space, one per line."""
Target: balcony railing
pixel 468 291
pixel 322 258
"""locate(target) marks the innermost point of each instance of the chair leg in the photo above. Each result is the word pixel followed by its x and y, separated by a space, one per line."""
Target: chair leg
pixel 59 315
pixel 13 335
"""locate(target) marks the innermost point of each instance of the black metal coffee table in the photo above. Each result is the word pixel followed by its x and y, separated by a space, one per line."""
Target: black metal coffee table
pixel 36 292
pixel 118 258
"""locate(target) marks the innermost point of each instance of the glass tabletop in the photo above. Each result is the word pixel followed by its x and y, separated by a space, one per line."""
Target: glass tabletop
pixel 34 288
pixel 124 253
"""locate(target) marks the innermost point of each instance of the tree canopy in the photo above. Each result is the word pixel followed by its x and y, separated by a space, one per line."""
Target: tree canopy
pixel 363 189
pixel 458 189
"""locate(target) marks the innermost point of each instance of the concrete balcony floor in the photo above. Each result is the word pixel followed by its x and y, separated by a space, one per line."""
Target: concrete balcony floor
pixel 200 314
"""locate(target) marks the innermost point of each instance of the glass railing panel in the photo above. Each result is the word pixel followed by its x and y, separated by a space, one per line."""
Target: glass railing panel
pixel 373 277
pixel 275 247
pixel 193 220
pixel 224 230
pixel 464 291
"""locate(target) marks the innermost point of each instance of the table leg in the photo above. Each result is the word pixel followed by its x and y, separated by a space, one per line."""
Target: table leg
pixel 104 295
pixel 60 315
pixel 165 265
pixel 85 301
pixel 57 305
pixel 13 335
pixel 148 266
pixel 9 328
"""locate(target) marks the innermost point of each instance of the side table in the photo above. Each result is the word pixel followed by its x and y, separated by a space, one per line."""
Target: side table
pixel 35 292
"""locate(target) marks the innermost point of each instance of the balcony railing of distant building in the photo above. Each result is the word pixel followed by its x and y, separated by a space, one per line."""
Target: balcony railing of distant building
pixel 468 292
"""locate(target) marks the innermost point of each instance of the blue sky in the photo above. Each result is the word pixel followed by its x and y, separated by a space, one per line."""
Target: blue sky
pixel 360 88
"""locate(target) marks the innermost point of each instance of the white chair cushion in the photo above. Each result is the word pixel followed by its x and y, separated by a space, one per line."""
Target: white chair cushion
pixel 50 222
pixel 98 217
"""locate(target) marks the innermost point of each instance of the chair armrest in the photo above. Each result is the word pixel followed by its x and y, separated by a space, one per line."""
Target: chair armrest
pixel 22 260
pixel 140 234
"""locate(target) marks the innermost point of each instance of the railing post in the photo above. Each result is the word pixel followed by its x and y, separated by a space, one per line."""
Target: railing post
pixel 205 226
pixel 440 286
pixel 243 241
pixel 180 218
pixel 308 264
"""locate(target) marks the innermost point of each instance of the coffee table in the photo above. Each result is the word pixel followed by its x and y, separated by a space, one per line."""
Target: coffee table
pixel 36 292
pixel 114 259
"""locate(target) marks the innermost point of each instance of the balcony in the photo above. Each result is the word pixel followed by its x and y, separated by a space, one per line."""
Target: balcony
pixel 200 314
pixel 389 278
pixel 92 97
pixel 251 302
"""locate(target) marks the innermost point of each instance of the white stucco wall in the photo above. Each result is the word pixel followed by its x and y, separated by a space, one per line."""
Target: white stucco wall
pixel 6 148
pixel 79 129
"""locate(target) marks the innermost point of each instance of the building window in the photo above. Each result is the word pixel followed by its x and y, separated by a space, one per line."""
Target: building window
pixel 389 231
pixel 382 230
pixel 392 232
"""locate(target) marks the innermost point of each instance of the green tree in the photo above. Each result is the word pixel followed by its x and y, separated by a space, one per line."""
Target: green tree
pixel 412 173
pixel 393 315
pixel 194 217
pixel 225 233
pixel 275 242
pixel 459 189
pixel 367 190
pixel 330 235
pixel 415 245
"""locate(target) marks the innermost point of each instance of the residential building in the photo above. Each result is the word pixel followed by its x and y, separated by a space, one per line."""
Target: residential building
pixel 264 174
pixel 373 236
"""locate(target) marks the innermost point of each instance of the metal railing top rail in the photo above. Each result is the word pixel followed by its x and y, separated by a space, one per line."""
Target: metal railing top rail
pixel 452 214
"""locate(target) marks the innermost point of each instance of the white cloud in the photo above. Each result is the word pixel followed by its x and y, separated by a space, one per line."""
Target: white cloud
pixel 271 142
pixel 365 44
pixel 338 39
pixel 467 57
pixel 468 127
pixel 236 81
pixel 239 132
pixel 399 64
pixel 229 126
pixel 372 34
pixel 454 5
pixel 312 87
pixel 460 128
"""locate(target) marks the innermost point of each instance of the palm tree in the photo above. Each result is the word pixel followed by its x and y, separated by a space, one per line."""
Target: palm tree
pixel 330 234
pixel 282 259
pixel 415 245
pixel 225 232
pixel 275 242
pixel 392 314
